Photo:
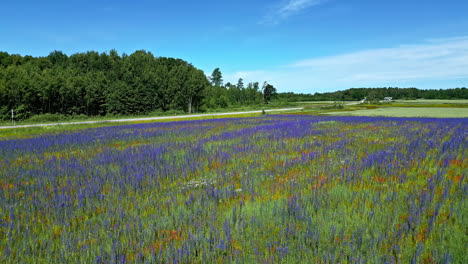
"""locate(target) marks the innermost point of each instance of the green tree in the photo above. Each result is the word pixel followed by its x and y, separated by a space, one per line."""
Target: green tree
pixel 233 94
pixel 194 89
pixel 58 58
pixel 269 91
pixel 240 84
pixel 216 78
pixel 372 97
pixel 242 94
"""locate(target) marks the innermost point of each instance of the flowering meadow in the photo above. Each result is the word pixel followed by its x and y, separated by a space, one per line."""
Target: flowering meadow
pixel 270 189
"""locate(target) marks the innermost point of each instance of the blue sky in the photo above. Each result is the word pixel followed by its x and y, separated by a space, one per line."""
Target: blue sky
pixel 297 45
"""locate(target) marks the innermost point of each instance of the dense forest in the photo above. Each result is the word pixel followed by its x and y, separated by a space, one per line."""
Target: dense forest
pixel 97 84
pixel 93 84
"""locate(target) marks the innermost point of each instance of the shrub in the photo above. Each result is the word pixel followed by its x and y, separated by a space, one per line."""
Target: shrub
pixel 48 118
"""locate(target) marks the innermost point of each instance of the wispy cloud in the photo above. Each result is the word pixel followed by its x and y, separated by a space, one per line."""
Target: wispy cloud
pixel 437 61
pixel 288 8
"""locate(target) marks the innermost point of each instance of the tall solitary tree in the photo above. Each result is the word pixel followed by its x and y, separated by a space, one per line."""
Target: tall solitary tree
pixel 217 78
pixel 240 84
pixel 269 91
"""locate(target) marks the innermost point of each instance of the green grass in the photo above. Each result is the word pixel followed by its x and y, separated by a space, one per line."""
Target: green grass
pixel 317 102
pixel 434 101
pixel 408 112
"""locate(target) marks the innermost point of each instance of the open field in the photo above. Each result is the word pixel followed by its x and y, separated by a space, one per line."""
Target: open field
pixel 434 101
pixel 267 189
pixel 408 112
pixel 316 102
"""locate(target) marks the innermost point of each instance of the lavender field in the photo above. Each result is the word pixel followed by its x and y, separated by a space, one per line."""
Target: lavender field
pixel 274 189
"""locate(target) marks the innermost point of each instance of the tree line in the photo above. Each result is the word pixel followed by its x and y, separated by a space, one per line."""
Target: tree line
pixel 354 94
pixel 221 95
pixel 93 83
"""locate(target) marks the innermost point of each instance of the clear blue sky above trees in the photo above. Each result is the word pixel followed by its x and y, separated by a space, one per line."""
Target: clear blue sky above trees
pixel 296 45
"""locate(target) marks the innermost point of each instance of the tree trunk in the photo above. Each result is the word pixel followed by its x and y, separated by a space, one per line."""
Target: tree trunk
pixel 190 105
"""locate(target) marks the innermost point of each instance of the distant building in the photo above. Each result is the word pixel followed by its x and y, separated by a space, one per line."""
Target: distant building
pixel 387 99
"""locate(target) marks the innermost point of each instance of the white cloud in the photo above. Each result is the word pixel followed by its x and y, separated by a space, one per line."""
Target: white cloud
pixel 406 65
pixel 287 9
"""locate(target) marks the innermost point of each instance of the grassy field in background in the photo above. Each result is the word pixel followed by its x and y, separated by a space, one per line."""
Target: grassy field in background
pixel 316 102
pixel 408 112
pixel 408 108
pixel 434 101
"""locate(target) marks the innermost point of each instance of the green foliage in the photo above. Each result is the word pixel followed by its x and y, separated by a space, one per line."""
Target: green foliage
pixel 47 118
pixel 269 92
pixel 216 78
pixel 219 97
pixel 97 84
pixel 372 97
pixel 22 113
